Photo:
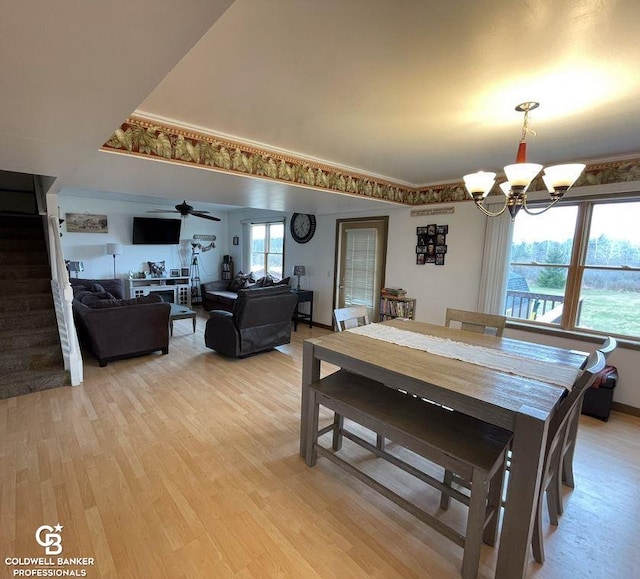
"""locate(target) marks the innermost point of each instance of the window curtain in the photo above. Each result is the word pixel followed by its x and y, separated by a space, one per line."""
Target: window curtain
pixel 495 263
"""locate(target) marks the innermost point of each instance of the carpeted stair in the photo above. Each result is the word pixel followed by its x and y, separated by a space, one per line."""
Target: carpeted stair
pixel 30 353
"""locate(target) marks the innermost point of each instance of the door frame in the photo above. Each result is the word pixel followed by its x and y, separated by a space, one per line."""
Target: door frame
pixel 378 219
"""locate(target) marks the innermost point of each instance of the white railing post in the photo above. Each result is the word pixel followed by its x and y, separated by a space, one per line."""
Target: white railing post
pixel 63 298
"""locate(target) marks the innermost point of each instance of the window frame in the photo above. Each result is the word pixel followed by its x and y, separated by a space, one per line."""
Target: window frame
pixel 575 272
pixel 267 252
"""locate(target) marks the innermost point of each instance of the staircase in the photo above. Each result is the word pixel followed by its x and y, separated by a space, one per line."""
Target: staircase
pixel 30 352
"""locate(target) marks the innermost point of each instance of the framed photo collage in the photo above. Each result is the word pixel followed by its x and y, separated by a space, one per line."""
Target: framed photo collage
pixel 432 244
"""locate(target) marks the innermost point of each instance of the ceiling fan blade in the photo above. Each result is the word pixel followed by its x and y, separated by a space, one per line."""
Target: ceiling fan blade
pixel 201 214
pixel 162 211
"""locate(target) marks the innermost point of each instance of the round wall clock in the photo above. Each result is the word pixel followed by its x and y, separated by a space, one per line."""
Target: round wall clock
pixel 303 226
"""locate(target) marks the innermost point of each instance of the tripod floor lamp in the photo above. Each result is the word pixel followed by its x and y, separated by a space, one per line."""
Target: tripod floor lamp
pixel 114 249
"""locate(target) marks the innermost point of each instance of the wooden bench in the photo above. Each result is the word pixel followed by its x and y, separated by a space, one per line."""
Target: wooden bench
pixel 470 448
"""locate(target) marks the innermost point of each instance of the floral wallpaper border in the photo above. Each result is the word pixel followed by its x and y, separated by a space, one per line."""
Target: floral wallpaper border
pixel 137 136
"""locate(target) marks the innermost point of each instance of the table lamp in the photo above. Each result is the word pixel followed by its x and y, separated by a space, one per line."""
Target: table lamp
pixel 299 271
pixel 114 249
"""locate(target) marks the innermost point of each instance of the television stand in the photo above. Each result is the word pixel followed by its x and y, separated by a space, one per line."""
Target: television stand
pixel 180 288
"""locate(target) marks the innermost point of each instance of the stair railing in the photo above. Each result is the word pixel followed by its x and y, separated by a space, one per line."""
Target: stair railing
pixel 62 299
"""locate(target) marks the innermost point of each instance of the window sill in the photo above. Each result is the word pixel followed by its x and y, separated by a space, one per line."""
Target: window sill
pixel 626 343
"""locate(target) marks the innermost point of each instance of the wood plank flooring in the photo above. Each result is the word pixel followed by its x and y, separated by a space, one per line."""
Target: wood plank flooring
pixel 187 465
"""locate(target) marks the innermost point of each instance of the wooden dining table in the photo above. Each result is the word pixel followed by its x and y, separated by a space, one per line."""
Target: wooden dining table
pixel 521 405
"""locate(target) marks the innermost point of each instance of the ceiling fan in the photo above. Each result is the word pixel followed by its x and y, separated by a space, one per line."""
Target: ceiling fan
pixel 185 209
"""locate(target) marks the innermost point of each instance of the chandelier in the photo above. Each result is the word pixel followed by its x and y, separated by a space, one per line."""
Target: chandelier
pixel 558 178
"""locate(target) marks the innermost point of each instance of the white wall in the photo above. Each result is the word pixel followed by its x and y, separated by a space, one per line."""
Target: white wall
pixel 90 248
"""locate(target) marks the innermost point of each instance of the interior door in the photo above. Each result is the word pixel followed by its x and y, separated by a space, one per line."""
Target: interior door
pixel 361 249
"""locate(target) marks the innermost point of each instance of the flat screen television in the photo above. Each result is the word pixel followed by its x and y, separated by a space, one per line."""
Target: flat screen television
pixel 155 231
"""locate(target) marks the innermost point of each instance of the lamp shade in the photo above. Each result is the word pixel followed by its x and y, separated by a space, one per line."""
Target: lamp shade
pixel 561 177
pixel 298 270
pixel 479 183
pixel 114 249
pixel 520 175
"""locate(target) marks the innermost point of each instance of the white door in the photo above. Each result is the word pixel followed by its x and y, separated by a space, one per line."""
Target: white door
pixel 361 251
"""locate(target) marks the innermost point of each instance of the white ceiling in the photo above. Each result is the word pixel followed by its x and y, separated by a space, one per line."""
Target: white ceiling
pixel 418 91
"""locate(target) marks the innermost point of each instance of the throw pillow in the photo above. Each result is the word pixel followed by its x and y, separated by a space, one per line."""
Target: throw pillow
pixel 96 287
pixel 241 281
pixel 92 298
pixel 284 281
pixel 157 268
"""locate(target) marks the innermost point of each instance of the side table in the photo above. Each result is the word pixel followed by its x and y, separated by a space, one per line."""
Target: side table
pixel 304 296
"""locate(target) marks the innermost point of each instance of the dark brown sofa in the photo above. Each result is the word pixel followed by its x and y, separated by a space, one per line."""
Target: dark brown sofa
pixel 222 294
pixel 111 327
pixel 261 320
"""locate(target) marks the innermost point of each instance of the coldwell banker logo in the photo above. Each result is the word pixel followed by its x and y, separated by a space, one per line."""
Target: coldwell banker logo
pixel 52 542
pixel 49 566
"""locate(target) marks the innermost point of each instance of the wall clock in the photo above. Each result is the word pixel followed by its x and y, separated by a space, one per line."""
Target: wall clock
pixel 303 226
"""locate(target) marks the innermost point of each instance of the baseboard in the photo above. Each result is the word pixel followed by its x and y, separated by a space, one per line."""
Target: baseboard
pixel 625 409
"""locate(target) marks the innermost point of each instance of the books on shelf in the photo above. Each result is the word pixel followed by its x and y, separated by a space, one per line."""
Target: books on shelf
pixel 397 307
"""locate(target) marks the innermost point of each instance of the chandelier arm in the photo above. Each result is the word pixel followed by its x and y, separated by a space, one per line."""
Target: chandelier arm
pixel 489 213
pixel 543 210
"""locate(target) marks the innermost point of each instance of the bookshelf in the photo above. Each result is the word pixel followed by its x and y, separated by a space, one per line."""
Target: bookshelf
pixel 227 268
pixel 397 307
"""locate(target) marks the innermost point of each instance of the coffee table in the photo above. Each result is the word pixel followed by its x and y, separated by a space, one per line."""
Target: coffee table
pixel 179 312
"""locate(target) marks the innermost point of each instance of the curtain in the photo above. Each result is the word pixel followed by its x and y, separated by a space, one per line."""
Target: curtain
pixel 495 263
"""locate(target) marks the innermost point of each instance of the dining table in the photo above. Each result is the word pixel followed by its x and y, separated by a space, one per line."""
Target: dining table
pixel 476 374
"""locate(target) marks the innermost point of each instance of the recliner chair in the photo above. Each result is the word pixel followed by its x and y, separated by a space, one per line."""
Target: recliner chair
pixel 261 320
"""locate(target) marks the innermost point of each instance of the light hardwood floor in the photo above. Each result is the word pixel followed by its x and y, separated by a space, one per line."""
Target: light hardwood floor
pixel 187 465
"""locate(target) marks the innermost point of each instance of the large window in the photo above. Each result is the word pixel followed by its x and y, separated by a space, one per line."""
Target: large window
pixel 267 249
pixel 577 266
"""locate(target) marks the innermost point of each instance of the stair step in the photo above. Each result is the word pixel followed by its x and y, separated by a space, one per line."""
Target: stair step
pixel 34 358
pixel 33 302
pixel 22 287
pixel 13 244
pixel 23 272
pixel 10 258
pixel 25 382
pixel 25 338
pixel 21 227
pixel 26 319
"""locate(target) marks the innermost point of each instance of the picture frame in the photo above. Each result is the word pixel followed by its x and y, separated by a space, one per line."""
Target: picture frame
pixel 432 244
pixel 174 273
pixel 184 271
pixel 86 223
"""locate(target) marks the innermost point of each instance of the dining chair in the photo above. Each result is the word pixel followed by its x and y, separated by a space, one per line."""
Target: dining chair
pixel 554 451
pixel 476 321
pixel 610 344
pixel 350 317
pixel 558 427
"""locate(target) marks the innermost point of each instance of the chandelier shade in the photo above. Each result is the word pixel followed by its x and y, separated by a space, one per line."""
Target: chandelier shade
pixel 557 178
